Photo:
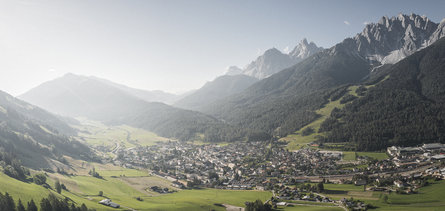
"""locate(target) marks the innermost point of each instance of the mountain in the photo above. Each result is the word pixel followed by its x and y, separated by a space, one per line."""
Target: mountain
pixel 34 136
pixel 219 88
pixel 267 64
pixel 149 96
pixel 287 100
pixel 405 106
pixel 392 39
pixel 75 95
pixel 233 70
pixel 303 50
pixel 274 60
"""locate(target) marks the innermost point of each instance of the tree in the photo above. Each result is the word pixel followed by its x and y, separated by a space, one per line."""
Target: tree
pixel 20 206
pixel 307 131
pixel 101 193
pixel 7 202
pixel 258 206
pixel 213 175
pixel 31 206
pixel 83 207
pixel 39 179
pixel 320 187
pixel 58 187
pixel 45 205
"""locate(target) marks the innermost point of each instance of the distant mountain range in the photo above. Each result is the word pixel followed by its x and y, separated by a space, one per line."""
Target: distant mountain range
pixel 273 60
pixel 278 93
pixel 287 100
pixel 81 96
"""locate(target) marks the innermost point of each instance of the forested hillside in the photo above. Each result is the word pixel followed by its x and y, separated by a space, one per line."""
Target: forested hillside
pixel 32 134
pixel 406 108
pixel 217 89
pixel 286 101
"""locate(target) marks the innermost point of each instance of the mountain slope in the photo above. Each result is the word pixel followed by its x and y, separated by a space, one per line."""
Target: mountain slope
pixel 31 134
pixel 219 88
pixel 286 101
pixel 149 96
pixel 407 108
pixel 75 96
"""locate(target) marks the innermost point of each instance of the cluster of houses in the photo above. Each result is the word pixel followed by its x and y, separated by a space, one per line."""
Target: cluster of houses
pixel 237 166
pixel 296 194
pixel 266 166
pixel 352 204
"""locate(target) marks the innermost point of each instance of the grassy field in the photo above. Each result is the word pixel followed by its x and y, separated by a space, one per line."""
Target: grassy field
pixel 98 134
pixel 429 198
pixel 349 156
pixel 376 155
pixel 27 191
pixel 297 141
pixel 125 189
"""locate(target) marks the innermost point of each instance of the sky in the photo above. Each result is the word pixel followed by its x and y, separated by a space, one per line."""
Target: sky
pixel 170 45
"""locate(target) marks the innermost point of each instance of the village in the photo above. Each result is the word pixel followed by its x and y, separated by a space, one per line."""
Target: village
pixel 288 174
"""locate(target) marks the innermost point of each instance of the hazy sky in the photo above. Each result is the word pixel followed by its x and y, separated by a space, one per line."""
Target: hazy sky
pixel 169 45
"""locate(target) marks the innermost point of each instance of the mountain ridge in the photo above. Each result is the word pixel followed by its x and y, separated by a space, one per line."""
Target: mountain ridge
pixel 273 60
pixel 285 101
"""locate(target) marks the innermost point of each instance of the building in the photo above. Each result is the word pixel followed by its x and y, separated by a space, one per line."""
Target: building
pixel 433 147
pixel 403 151
pixel 108 202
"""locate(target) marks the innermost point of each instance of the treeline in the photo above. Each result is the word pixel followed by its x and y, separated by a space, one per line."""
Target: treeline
pixel 406 109
pixel 51 203
pixel 186 125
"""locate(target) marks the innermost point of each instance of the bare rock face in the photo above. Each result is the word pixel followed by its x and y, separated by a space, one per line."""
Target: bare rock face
pixel 392 39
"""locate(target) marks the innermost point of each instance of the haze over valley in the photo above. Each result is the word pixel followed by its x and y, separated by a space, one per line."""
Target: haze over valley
pixel 174 105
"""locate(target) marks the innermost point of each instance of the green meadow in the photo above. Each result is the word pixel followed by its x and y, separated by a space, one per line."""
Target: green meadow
pixel 430 197
pixel 97 134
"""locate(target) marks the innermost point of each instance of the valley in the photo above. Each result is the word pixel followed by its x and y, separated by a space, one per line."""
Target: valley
pixel 357 125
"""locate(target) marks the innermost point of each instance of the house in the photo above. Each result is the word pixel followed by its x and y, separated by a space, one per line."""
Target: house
pixel 402 151
pixel 282 203
pixel 108 202
pixel 399 184
pixel 360 182
pixel 438 157
pixel 334 154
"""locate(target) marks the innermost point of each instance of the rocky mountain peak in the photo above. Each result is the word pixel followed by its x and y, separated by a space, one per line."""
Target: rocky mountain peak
pixel 304 50
pixel 273 60
pixel 392 39
pixel 233 70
